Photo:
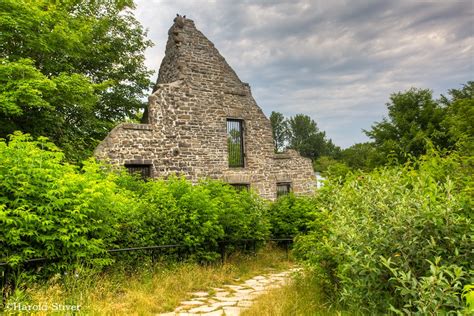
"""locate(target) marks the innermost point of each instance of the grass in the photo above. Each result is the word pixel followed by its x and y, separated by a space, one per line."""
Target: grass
pixel 301 297
pixel 149 289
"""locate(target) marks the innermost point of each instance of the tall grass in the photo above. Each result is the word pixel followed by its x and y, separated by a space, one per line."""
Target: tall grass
pixel 301 296
pixel 149 289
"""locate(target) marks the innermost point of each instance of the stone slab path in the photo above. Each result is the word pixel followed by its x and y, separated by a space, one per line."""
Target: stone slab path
pixel 231 300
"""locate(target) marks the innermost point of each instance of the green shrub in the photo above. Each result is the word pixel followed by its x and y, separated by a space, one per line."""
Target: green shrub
pixel 397 238
pixel 174 211
pixel 242 214
pixel 290 215
pixel 51 209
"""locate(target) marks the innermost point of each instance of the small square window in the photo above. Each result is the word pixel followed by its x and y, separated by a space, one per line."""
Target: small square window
pixel 283 188
pixel 144 171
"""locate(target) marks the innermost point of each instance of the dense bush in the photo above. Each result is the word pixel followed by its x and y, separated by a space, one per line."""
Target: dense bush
pixel 174 211
pixel 290 215
pixel 398 238
pixel 52 209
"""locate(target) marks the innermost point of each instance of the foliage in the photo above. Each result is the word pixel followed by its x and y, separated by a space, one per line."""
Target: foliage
pixel 428 295
pixel 51 209
pixel 323 163
pixel 330 167
pixel 301 133
pixel 305 137
pixel 361 156
pixel 279 130
pixel 459 119
pixel 242 213
pixel 396 238
pixel 70 70
pixel 414 118
pixel 338 170
pixel 290 215
pixel 174 211
pixel 468 295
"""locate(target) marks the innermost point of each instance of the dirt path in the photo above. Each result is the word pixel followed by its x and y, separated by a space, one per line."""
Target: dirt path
pixel 230 300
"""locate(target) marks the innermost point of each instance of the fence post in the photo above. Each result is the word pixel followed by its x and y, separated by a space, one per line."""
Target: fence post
pixel 222 250
pixel 5 282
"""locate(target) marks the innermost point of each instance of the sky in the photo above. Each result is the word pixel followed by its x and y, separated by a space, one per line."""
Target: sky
pixel 337 61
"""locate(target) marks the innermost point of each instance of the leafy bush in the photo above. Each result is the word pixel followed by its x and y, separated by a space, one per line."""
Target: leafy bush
pixel 174 211
pixel 242 214
pixel 397 238
pixel 51 209
pixel 290 215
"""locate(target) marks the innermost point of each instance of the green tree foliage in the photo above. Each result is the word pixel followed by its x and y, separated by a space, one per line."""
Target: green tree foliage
pixel 280 130
pixel 459 118
pixel 290 216
pixel 70 69
pixel 413 118
pixel 306 138
pixel 398 238
pixel 361 156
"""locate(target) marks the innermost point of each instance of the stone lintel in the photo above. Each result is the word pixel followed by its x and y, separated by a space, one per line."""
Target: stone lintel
pixel 138 162
pixel 282 156
pixel 237 178
pixel 137 126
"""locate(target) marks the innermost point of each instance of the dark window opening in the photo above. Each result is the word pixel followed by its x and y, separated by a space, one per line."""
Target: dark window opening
pixel 144 171
pixel 283 189
pixel 240 186
pixel 235 143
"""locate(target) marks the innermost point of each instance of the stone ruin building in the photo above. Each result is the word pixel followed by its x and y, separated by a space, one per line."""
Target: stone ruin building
pixel 202 122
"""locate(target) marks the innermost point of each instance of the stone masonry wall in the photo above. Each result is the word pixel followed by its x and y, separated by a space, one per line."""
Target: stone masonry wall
pixel 186 127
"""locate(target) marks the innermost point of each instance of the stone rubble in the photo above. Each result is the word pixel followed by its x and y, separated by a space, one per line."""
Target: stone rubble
pixel 230 300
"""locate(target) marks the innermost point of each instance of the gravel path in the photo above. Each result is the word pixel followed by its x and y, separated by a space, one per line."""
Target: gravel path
pixel 231 300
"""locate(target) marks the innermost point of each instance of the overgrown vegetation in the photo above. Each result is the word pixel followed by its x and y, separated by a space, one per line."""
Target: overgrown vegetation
pixel 148 287
pixel 302 296
pixel 51 209
pixel 396 239
pixel 390 232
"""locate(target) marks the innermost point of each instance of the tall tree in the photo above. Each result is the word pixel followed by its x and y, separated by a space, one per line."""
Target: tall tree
pixel 306 138
pixel 459 118
pixel 279 130
pixel 413 118
pixel 360 156
pixel 70 69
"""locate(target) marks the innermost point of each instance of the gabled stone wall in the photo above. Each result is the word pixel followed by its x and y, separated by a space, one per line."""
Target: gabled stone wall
pixel 185 130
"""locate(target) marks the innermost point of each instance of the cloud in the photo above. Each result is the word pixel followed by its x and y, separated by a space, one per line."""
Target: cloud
pixel 336 61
